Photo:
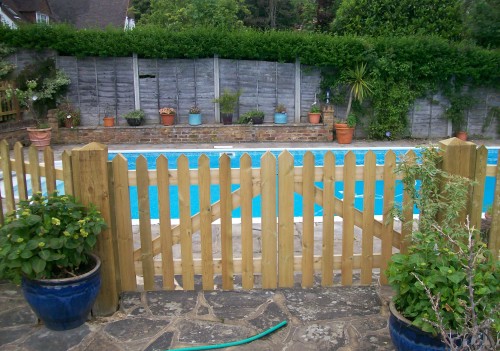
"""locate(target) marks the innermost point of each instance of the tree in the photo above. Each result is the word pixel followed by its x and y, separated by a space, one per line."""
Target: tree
pixel 482 19
pixel 400 17
pixel 179 14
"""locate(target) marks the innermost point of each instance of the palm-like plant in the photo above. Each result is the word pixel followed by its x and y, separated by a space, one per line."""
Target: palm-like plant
pixel 360 87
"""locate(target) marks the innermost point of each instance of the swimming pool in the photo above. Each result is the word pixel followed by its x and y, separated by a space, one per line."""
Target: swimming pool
pixel 255 155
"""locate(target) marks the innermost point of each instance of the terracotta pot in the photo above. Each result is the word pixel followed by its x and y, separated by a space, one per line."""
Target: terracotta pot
pixel 109 121
pixel 40 137
pixel 462 135
pixel 167 120
pixel 344 133
pixel 314 118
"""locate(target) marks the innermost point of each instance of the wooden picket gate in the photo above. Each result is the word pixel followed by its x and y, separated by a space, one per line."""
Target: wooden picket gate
pixel 87 174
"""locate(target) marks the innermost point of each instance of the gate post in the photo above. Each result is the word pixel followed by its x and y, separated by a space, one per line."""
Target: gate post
pixel 459 158
pixel 90 179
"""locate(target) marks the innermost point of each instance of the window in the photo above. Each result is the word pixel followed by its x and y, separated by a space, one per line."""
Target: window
pixel 42 18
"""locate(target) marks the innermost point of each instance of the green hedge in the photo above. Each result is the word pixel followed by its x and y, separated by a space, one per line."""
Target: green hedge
pixel 401 68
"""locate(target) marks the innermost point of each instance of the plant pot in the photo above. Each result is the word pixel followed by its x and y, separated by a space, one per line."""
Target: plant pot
pixel 167 120
pixel 344 133
pixel 40 137
pixel 461 135
pixel 109 121
pixel 406 337
pixel 64 304
pixel 227 118
pixel 134 122
pixel 68 122
pixel 280 118
pixel 257 120
pixel 314 118
pixel 194 119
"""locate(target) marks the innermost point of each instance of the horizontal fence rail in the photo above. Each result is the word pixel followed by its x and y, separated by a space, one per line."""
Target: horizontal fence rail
pixel 192 246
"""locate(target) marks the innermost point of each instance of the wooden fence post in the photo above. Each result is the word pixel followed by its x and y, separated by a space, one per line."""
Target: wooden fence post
pixel 90 179
pixel 459 157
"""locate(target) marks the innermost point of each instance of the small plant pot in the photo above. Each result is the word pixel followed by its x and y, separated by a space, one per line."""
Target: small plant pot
pixel 314 118
pixel 109 121
pixel 461 135
pixel 280 118
pixel 344 133
pixel 40 137
pixel 134 122
pixel 167 120
pixel 257 120
pixel 227 118
pixel 194 119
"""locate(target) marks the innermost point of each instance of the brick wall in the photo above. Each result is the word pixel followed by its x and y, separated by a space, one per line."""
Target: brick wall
pixel 14 131
pixel 182 133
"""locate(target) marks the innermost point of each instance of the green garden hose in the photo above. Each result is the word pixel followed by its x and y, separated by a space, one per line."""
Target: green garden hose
pixel 234 343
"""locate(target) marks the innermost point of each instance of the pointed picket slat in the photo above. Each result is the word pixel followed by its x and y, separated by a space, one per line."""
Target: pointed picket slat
pixel 20 170
pixel 67 171
pixel 308 221
pixel 368 213
pixel 388 221
pixel 408 205
pixel 186 227
pixel 246 187
pixel 123 223
pixel 269 235
pixel 478 187
pixel 226 222
pixel 328 219
pixel 50 172
pixel 34 170
pixel 8 180
pixel 285 219
pixel 166 241
pixel 348 219
pixel 206 223
pixel 145 222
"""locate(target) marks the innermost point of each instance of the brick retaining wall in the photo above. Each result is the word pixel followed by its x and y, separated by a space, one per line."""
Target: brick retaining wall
pixel 181 133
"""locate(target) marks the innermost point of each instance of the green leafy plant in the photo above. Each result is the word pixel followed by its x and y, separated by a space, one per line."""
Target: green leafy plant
pixel 315 108
pixel 351 120
pixel 250 117
pixel 359 87
pixel 456 112
pixel 136 114
pixel 280 108
pixel 228 100
pixel 65 111
pixel 48 237
pixel 447 280
pixel 39 85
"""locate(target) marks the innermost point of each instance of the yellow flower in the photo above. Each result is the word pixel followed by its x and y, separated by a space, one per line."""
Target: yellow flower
pixel 66 233
pixel 75 236
pixel 84 233
pixel 41 244
pixel 56 221
pixel 20 240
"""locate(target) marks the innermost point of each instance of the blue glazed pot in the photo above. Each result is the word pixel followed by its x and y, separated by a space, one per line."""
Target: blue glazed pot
pixel 194 119
pixel 406 337
pixel 64 304
pixel 280 118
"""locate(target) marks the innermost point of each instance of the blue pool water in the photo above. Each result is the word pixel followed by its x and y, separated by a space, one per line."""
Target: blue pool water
pixel 256 154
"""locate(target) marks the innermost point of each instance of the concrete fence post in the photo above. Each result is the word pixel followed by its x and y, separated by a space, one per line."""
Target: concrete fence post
pixel 91 185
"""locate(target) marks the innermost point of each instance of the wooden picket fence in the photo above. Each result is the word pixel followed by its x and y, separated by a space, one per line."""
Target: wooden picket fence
pixel 87 173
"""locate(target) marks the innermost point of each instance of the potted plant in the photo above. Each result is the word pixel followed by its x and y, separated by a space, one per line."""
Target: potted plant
pixel 109 117
pixel 167 116
pixel 456 113
pixel 446 282
pixel 227 103
pixel 314 113
pixel 194 118
pixel 252 117
pixel 344 130
pixel 39 86
pixel 46 245
pixel 67 115
pixel 134 118
pixel 359 88
pixel 280 116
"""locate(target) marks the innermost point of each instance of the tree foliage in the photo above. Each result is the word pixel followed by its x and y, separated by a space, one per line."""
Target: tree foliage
pixel 483 22
pixel 402 17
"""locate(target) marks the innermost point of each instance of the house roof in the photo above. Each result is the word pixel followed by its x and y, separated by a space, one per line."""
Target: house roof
pixel 19 10
pixel 90 13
